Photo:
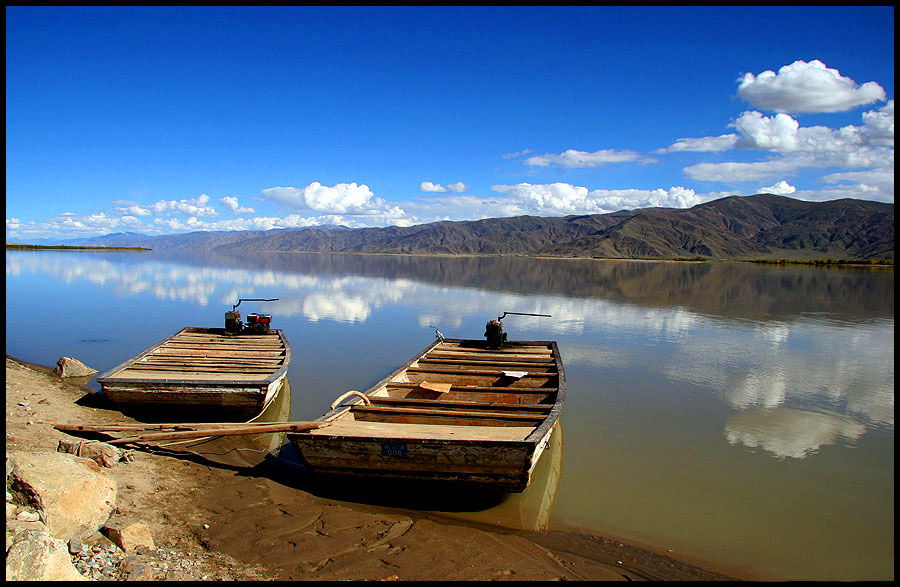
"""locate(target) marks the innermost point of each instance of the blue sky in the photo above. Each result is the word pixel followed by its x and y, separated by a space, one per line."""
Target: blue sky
pixel 162 120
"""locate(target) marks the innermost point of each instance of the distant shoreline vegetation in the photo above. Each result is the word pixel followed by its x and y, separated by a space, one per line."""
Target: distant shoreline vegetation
pixel 820 262
pixel 72 248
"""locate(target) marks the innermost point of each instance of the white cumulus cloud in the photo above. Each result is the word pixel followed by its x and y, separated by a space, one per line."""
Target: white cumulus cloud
pixel 342 198
pixel 866 148
pixel 563 198
pixel 807 87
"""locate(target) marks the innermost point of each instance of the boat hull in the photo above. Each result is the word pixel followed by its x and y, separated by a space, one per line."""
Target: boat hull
pixel 486 429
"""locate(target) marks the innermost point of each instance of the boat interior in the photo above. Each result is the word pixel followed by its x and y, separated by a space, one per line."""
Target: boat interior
pixel 208 354
pixel 457 389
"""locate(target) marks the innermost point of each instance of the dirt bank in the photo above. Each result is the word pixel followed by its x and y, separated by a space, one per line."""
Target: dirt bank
pixel 248 524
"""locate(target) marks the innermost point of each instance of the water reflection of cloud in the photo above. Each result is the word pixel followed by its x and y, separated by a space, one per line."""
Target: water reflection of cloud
pixel 767 389
pixel 849 366
pixel 335 306
pixel 790 433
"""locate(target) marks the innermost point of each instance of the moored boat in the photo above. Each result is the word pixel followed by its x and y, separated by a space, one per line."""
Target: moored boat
pixel 232 373
pixel 472 413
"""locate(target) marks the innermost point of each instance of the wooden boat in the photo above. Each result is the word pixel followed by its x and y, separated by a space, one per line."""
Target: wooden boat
pixel 458 412
pixel 230 375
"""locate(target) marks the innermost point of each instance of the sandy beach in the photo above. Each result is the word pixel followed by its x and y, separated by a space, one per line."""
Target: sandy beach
pixel 251 524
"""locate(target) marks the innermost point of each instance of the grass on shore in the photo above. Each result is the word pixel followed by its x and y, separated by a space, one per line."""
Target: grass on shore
pixel 820 262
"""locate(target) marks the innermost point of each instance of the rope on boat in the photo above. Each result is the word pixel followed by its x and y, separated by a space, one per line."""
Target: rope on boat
pixel 337 402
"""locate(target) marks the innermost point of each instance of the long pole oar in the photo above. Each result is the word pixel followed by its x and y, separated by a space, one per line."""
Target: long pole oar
pixel 227 430
pixel 160 426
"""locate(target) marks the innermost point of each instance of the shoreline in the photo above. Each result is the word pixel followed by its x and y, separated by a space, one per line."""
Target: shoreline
pixel 264 526
pixel 830 263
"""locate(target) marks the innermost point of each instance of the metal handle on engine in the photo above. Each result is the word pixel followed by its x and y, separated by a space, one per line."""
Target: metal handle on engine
pixel 523 314
pixel 234 307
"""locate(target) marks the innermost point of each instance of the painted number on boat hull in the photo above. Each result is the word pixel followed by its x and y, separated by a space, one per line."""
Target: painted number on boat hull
pixel 392 449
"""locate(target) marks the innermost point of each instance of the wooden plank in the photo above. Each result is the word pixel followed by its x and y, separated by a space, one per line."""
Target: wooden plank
pixel 537 348
pixel 217 353
pixel 499 364
pixel 210 362
pixel 181 367
pixel 359 408
pixel 473 388
pixel 427 363
pixel 220 346
pixel 491 372
pixel 461 405
pixel 384 430
pixel 232 358
pixel 458 418
pixel 489 358
pixel 485 378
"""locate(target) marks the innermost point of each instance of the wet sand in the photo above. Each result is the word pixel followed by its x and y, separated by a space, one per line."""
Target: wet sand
pixel 270 525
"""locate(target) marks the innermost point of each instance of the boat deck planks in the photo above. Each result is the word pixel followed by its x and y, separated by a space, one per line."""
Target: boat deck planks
pixel 219 356
pixel 203 367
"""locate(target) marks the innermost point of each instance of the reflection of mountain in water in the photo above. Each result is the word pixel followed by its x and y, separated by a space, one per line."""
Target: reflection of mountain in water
pixel 728 289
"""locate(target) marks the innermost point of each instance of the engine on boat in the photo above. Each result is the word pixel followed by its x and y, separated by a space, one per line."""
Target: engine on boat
pixel 233 322
pixel 493 330
pixel 256 323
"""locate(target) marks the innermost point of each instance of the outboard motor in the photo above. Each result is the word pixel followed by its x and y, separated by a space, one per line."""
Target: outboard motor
pixel 256 323
pixel 493 330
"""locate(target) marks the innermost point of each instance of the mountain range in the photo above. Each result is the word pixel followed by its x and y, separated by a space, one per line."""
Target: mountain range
pixel 762 226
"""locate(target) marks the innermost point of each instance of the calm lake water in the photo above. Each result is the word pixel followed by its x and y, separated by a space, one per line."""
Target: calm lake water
pixel 734 413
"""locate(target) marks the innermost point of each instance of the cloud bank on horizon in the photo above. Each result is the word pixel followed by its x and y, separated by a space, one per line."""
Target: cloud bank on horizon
pixel 767 145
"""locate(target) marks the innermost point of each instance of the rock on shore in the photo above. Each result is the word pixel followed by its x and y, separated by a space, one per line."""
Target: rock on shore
pixel 68 500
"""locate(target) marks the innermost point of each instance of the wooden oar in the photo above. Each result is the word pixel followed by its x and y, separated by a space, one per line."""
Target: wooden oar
pixel 224 430
pixel 159 426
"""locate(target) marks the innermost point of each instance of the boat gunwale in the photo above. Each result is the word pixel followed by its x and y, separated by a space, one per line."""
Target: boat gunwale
pixel 106 377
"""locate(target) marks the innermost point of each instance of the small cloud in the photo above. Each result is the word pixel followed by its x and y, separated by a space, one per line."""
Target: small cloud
pixel 782 188
pixel 575 159
pixel 231 203
pixel 196 207
pixel 427 186
pixel 517 154
pixel 703 144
